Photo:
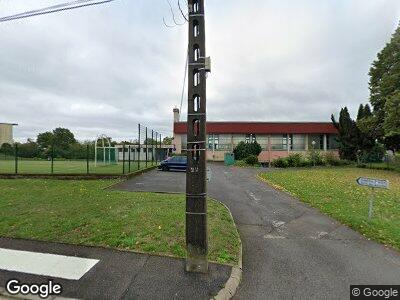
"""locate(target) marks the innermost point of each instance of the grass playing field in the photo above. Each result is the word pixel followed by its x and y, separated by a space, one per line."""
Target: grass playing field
pixel 82 212
pixel 67 167
pixel 335 192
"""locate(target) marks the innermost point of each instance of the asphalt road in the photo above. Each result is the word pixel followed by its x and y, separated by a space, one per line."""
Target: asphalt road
pixel 290 251
pixel 120 274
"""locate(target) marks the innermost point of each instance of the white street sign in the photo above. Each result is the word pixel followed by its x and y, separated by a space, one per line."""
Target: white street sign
pixel 373 183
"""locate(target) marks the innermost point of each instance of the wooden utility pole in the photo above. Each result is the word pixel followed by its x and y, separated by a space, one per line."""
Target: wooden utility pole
pixel 196 190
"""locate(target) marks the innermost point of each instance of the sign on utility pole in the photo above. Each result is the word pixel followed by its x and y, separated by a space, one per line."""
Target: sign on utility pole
pixel 196 190
pixel 373 184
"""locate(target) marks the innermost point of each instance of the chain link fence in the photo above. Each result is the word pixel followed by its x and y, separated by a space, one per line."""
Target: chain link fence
pixel 143 151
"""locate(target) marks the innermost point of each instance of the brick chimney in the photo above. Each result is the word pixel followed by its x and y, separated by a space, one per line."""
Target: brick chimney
pixel 176 115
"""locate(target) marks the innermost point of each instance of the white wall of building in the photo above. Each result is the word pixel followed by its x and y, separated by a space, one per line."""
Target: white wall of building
pixel 6 134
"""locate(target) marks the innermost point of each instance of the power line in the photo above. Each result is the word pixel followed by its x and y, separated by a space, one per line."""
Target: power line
pixel 184 81
pixel 53 9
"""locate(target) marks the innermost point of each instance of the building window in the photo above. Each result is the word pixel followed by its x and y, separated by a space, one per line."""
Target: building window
pixel 318 140
pixel 210 142
pixel 184 142
pixel 279 142
pixel 250 138
pixel 213 142
pixel 297 142
pixel 332 142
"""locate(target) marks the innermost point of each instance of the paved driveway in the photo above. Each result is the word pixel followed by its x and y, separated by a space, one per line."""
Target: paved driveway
pixel 289 249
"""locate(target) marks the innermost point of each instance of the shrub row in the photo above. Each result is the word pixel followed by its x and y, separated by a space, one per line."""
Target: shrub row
pixel 313 158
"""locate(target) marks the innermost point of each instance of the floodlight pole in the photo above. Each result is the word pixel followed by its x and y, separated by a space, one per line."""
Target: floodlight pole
pixel 196 189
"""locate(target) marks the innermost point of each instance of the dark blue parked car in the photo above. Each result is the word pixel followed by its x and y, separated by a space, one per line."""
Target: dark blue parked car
pixel 174 163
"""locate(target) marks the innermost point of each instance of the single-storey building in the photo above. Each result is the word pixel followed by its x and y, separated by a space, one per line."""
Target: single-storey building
pixel 277 139
pixel 6 133
pixel 136 153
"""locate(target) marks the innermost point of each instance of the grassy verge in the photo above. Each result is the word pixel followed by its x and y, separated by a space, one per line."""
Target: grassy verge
pixel 334 191
pixel 243 164
pixel 80 212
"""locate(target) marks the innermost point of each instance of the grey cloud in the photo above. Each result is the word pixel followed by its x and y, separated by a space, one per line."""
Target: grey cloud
pixel 104 69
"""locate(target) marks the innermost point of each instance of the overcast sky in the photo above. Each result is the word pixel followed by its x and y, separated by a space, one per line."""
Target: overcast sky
pixel 104 69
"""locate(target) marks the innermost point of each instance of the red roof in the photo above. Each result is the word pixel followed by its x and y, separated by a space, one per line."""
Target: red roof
pixel 262 127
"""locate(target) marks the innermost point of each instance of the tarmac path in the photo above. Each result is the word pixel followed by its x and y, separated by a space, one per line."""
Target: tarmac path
pixel 290 250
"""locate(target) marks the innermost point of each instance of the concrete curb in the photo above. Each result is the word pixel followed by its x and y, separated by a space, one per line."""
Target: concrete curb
pixel 130 176
pixel 77 176
pixel 233 282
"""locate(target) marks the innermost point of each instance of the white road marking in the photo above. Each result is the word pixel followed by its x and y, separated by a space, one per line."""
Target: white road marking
pixel 271 236
pixel 60 266
pixel 252 196
pixel 278 224
pixel 320 234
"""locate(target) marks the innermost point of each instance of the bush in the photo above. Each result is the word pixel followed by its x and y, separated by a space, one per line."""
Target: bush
pixel 243 150
pixel 240 163
pixel 251 160
pixel 315 158
pixel 331 159
pixel 295 160
pixel 280 163
pixel 376 154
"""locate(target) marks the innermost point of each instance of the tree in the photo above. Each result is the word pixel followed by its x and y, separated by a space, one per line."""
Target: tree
pixel 63 138
pixel 7 149
pixel 348 135
pixel 244 150
pixel 167 140
pixel 45 140
pixel 58 142
pixel 364 112
pixel 366 139
pixel 384 84
pixel 391 124
pixel 29 149
pixel 355 144
pixel 150 141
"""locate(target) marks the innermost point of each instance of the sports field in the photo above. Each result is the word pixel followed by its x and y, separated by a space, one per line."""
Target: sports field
pixel 68 167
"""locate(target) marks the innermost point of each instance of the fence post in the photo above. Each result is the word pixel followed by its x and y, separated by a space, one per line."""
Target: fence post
pixel 52 159
pixel 152 147
pixel 129 158
pixel 123 158
pixel 156 137
pixel 16 158
pixel 138 162
pixel 87 159
pixel 147 150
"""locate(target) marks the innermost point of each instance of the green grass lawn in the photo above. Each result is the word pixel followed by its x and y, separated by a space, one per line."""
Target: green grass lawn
pixel 82 212
pixel 335 192
pixel 67 167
